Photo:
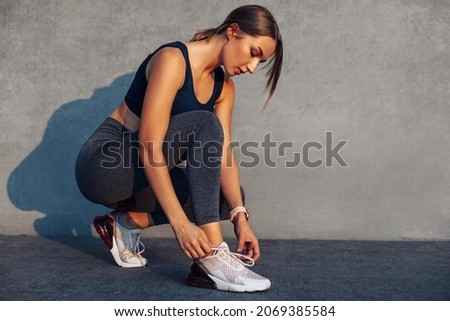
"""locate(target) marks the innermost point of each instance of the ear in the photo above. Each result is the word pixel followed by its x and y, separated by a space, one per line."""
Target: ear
pixel 233 30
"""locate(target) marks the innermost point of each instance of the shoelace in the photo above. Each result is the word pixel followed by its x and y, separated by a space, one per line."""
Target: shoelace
pixel 241 258
pixel 132 241
pixel 131 238
pixel 132 251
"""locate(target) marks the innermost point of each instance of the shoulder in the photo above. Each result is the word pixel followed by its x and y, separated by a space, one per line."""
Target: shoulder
pixel 171 55
pixel 166 60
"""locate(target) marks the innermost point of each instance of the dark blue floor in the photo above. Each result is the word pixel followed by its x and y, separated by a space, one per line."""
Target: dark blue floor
pixel 38 268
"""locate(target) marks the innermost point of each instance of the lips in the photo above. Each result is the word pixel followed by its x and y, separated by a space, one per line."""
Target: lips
pixel 239 71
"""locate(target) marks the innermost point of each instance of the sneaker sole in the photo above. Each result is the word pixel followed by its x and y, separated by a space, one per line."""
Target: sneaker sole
pixel 101 226
pixel 199 278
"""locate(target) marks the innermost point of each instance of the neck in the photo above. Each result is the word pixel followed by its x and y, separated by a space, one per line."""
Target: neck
pixel 205 56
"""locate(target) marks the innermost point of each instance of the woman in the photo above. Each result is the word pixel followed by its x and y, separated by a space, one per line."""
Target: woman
pixel 178 108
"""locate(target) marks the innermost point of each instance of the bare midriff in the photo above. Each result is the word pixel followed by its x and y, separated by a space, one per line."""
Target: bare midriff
pixel 126 117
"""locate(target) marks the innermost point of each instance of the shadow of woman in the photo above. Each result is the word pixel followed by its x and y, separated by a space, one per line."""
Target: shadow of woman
pixel 45 180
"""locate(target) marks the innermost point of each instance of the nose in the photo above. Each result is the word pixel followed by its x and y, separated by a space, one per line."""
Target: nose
pixel 251 67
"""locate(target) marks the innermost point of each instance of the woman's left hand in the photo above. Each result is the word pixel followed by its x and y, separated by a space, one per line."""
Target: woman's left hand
pixel 247 241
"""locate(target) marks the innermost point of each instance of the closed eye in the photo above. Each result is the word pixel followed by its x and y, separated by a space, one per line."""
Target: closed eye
pixel 257 53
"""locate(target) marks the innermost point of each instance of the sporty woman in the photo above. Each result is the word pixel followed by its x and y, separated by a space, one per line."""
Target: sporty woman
pixel 178 111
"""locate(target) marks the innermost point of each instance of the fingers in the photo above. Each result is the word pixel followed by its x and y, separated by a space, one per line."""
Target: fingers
pixel 204 243
pixel 248 248
pixel 192 252
pixel 256 253
pixel 251 249
pixel 200 246
pixel 241 245
pixel 198 249
pixel 187 253
pixel 194 243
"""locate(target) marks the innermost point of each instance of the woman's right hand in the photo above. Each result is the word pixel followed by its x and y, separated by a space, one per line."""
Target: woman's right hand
pixel 193 240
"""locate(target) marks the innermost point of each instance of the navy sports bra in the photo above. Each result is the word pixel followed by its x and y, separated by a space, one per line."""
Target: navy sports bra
pixel 185 99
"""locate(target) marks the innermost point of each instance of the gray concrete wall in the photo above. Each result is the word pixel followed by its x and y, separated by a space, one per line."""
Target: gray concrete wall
pixel 376 74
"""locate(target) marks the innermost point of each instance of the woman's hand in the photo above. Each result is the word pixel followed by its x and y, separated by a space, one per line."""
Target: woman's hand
pixel 247 241
pixel 192 239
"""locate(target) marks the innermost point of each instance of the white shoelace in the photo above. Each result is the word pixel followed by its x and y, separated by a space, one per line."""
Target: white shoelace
pixel 134 241
pixel 131 250
pixel 240 258
pixel 131 239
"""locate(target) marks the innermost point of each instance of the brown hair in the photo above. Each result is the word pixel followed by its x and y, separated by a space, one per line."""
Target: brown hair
pixel 254 20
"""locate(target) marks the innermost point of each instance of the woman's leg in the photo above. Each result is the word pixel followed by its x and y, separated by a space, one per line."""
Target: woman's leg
pixel 199 136
pixel 196 137
pixel 108 171
pixel 143 210
pixel 213 232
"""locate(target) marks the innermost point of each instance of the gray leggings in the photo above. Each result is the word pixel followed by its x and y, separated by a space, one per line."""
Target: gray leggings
pixel 108 170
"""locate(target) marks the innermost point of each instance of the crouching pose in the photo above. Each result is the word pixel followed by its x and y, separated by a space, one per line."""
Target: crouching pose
pixel 178 110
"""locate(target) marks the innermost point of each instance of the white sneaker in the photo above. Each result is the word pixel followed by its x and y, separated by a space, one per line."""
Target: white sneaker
pixel 226 271
pixel 124 244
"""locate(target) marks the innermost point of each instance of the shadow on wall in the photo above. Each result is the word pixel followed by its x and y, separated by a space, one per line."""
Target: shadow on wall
pixel 45 180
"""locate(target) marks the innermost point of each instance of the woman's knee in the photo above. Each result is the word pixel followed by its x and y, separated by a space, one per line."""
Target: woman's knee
pixel 210 125
pixel 215 128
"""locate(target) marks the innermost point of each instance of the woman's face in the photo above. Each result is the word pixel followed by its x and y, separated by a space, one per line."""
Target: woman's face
pixel 242 53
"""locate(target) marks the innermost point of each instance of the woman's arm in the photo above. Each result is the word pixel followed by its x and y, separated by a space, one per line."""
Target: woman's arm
pixel 163 84
pixel 230 179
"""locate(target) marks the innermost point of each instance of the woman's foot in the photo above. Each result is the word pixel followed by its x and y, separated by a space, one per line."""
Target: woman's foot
pixel 123 243
pixel 224 270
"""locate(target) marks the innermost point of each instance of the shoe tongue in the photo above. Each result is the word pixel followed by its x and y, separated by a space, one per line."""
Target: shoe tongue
pixel 224 252
pixel 222 249
pixel 223 245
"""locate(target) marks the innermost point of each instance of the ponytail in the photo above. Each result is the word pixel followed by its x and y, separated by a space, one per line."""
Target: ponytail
pixel 204 34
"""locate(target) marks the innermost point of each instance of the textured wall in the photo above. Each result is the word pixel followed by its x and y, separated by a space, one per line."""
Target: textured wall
pixel 376 74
